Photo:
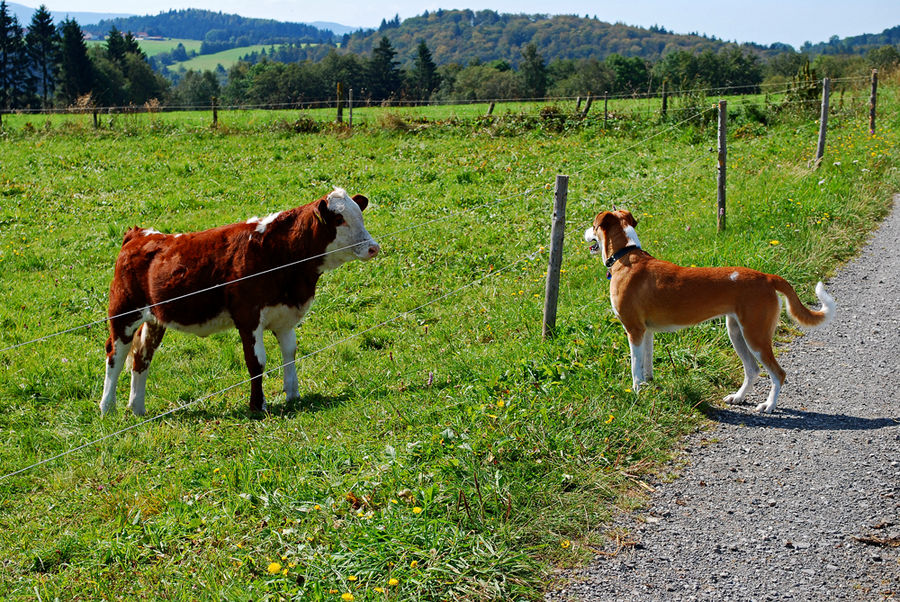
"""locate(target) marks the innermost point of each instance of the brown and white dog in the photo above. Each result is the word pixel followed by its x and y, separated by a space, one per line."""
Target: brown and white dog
pixel 254 276
pixel 650 295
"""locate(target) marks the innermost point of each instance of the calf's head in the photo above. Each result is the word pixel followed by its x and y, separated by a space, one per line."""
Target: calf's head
pixel 351 240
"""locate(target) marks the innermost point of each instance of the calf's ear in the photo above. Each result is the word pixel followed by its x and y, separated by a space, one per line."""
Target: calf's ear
pixel 362 201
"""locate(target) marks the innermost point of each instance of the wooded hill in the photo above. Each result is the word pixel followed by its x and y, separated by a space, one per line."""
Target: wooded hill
pixel 462 36
pixel 218 31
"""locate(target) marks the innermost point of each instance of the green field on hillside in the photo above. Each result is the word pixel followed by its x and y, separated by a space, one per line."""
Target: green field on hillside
pixel 209 62
pixel 154 47
pixel 441 449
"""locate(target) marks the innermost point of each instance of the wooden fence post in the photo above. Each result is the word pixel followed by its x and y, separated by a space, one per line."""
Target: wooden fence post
pixel 557 232
pixel 605 112
pixel 665 101
pixel 96 119
pixel 872 100
pixel 340 103
pixel 587 106
pixel 823 121
pixel 350 106
pixel 578 104
pixel 215 110
pixel 490 110
pixel 723 152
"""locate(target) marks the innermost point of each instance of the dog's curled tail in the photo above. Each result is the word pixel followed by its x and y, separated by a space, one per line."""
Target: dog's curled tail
pixel 801 313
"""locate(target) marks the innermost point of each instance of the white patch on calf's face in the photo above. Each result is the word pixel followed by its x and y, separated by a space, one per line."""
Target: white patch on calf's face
pixel 734 276
pixel 352 240
pixel 149 231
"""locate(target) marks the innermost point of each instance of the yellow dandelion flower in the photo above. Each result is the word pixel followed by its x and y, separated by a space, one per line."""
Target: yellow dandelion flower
pixel 773 242
pixel 627 390
pixel 379 590
pixel 392 581
pixel 500 403
pixel 274 568
pixel 317 507
pixel 417 510
pixel 351 578
pixel 347 597
pixel 565 543
pixel 413 564
pixel 610 419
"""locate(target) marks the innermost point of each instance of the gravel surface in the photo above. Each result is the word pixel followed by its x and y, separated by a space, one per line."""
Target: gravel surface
pixel 802 504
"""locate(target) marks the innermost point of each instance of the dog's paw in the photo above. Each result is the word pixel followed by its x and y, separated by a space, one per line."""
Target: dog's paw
pixel 765 408
pixel 733 398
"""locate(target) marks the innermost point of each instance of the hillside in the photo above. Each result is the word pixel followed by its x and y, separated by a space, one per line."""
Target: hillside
pixel 463 35
pixel 218 30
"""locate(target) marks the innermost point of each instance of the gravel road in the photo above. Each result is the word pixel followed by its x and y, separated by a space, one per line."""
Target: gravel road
pixel 802 504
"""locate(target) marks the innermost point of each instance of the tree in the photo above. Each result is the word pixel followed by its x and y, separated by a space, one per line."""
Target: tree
pixel 384 77
pixel 43 46
pixel 13 66
pixel 76 75
pixel 197 88
pixel 424 78
pixel 533 71
pixel 884 58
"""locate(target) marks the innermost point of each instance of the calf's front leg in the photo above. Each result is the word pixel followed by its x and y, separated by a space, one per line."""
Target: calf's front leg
pixel 255 358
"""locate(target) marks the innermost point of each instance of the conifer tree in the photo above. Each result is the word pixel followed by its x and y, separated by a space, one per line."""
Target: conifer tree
pixel 76 75
pixel 424 77
pixel 384 77
pixel 13 66
pixel 43 46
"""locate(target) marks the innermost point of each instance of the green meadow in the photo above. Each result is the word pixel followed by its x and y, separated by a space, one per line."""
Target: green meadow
pixel 440 449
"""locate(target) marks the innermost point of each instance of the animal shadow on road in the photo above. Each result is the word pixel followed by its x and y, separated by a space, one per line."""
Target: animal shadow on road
pixel 800 419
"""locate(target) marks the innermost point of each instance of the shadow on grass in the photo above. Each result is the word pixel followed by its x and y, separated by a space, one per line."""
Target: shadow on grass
pixel 310 403
pixel 797 419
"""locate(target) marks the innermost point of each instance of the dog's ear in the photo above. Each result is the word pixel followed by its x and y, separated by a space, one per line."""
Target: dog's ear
pixel 628 218
pixel 605 221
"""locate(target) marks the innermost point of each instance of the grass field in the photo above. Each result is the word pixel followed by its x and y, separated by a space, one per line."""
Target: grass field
pixel 226 58
pixel 441 449
pixel 154 47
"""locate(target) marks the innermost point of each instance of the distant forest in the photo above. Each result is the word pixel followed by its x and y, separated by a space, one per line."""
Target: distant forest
pixel 447 55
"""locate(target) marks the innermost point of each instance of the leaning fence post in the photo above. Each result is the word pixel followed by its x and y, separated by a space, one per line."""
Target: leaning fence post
pixel 587 106
pixel 215 110
pixel 723 152
pixel 557 231
pixel 490 110
pixel 872 100
pixel 823 121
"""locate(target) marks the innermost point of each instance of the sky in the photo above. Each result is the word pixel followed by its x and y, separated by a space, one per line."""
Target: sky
pixel 762 21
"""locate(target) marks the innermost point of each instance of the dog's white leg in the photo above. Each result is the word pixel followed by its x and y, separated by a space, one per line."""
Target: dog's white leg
pixel 637 363
pixel 751 368
pixel 648 356
pixel 769 404
pixel 287 341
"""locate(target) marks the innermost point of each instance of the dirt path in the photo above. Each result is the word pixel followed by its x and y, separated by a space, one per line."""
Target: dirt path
pixel 803 504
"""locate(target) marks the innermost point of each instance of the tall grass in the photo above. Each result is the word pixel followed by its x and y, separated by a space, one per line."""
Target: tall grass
pixel 446 452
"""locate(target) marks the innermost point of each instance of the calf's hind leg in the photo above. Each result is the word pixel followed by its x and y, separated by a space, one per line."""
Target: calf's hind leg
pixel 146 340
pixel 116 353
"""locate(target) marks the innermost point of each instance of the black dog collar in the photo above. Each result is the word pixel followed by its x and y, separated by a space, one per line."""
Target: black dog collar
pixel 620 254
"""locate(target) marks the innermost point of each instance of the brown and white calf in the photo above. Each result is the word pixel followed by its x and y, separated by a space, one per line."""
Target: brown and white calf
pixel 175 281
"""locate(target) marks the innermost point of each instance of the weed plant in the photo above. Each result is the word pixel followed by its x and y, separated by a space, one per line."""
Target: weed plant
pixel 441 449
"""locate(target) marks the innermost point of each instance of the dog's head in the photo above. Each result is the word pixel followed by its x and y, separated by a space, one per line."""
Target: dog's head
pixel 612 231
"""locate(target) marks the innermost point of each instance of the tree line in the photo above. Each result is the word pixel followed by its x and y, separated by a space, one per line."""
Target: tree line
pixel 49 66
pixel 52 66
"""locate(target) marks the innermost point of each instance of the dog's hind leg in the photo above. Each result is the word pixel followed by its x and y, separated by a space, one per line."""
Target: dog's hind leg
pixel 751 368
pixel 758 332
pixel 648 356
pixel 776 373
